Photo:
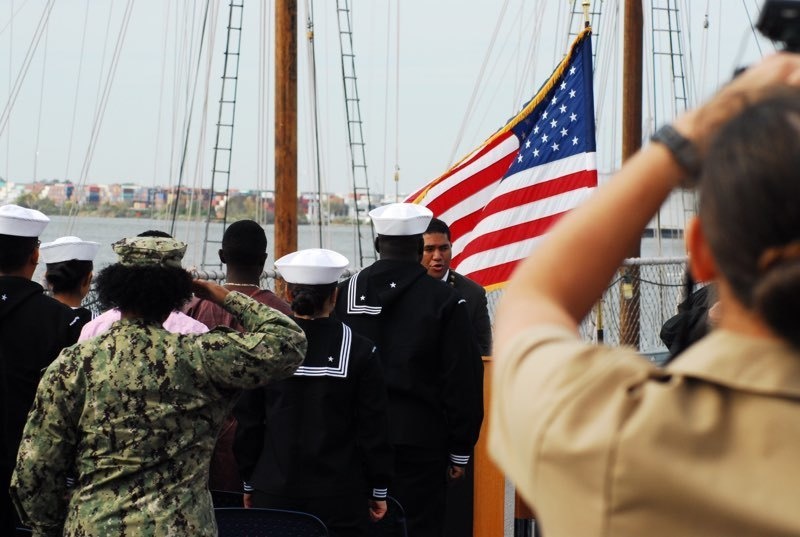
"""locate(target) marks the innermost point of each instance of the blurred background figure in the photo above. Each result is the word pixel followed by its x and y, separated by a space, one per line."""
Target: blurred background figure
pixel 70 265
pixel 600 441
pixel 319 442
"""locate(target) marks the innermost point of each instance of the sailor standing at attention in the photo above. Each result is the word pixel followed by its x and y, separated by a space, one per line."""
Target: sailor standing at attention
pixel 70 262
pixel 319 440
pixel 432 367
pixel 33 330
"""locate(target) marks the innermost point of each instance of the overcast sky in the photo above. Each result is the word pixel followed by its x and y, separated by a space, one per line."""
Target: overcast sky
pixel 442 46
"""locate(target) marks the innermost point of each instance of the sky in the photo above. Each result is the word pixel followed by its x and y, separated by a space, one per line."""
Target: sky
pixel 435 78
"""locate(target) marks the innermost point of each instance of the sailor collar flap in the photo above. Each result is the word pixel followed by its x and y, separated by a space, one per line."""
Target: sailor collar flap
pixel 749 364
pixel 15 290
pixel 380 284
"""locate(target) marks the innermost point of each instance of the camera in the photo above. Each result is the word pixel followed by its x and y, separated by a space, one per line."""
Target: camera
pixel 780 21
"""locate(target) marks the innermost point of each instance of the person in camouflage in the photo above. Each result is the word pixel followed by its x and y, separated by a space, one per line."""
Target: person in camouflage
pixel 134 413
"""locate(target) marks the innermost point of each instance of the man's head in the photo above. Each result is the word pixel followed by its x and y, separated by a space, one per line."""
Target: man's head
pixel 19 242
pixel 244 244
pixel 437 251
pixel 399 227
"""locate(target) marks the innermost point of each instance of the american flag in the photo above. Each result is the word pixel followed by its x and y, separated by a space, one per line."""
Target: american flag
pixel 500 199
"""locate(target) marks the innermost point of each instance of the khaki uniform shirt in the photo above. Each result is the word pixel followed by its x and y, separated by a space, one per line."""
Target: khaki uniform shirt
pixel 134 414
pixel 602 443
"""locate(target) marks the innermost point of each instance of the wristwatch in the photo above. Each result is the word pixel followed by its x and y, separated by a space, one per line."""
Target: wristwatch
pixel 683 150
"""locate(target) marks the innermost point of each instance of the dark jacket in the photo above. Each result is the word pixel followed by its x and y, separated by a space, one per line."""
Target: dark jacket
pixel 33 330
pixel 477 307
pixel 323 431
pixel 433 373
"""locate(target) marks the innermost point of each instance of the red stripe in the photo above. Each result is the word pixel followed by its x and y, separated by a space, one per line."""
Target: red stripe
pixel 507 235
pixel 471 185
pixel 523 196
pixel 459 167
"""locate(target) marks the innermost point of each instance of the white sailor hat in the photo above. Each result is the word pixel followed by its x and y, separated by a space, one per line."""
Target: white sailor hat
pixel 313 266
pixel 66 249
pixel 21 222
pixel 401 219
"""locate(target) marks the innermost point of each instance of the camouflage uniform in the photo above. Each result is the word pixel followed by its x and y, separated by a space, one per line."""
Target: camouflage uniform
pixel 134 413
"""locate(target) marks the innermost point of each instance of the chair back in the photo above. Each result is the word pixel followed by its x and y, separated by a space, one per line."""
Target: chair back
pixel 255 522
pixel 393 523
pixel 227 498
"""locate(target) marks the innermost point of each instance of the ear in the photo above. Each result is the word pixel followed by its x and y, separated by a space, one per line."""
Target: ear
pixel 378 244
pixel 221 256
pixel 701 261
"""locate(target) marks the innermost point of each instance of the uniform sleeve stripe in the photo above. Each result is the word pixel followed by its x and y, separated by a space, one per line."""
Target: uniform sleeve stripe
pixel 379 493
pixel 460 460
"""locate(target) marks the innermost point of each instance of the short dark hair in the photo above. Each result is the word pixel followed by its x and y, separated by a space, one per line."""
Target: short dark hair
pixel 15 251
pixel 438 226
pixel 155 233
pixel 150 291
pixel 399 244
pixel 244 243
pixel 67 275
pixel 748 197
pixel 309 299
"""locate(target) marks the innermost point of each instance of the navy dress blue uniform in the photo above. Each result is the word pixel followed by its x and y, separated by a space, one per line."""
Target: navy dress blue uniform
pixel 433 374
pixel 34 328
pixel 318 441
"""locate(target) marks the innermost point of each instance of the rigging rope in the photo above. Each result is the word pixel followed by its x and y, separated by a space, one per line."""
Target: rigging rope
pixel 77 92
pixel 41 101
pixel 101 108
pixel 167 12
pixel 26 63
pixel 470 105
pixel 14 13
pixel 188 125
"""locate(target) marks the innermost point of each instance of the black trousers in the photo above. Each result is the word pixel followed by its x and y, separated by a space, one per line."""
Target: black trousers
pixel 345 515
pixel 420 485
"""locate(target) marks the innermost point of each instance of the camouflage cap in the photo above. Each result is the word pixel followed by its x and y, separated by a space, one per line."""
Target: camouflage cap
pixel 141 251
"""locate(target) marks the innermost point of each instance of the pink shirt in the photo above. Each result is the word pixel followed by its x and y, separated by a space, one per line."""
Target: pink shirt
pixel 177 323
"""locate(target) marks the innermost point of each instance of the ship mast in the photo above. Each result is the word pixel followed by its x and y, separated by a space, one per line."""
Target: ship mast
pixel 285 127
pixel 631 142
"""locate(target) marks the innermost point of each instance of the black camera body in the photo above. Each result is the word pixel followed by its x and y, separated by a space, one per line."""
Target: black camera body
pixel 780 21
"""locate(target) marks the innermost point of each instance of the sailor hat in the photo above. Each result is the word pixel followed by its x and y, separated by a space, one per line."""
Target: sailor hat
pixel 21 222
pixel 401 219
pixel 67 249
pixel 313 266
pixel 145 251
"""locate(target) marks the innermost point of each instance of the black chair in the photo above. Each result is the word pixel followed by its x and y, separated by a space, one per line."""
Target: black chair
pixel 227 498
pixel 393 523
pixel 240 522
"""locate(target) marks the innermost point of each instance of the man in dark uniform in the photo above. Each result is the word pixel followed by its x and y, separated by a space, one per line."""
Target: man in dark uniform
pixel 433 370
pixel 436 257
pixel 33 330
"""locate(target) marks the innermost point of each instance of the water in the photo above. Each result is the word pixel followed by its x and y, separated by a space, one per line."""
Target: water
pixel 106 231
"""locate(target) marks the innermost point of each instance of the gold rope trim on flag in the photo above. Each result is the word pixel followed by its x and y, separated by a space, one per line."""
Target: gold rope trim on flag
pixel 520 115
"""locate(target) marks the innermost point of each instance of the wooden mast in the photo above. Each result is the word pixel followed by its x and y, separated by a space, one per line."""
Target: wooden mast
pixel 631 142
pixel 285 127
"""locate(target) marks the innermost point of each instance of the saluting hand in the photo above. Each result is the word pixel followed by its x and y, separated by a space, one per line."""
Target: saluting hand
pixel 377 509
pixel 209 290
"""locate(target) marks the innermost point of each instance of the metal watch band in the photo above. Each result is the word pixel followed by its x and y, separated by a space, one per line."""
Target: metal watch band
pixel 683 150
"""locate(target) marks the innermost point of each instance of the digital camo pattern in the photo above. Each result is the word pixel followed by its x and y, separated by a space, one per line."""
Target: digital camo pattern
pixel 134 414
pixel 142 251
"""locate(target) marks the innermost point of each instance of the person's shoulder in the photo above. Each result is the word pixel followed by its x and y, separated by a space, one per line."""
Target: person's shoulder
pixel 465 283
pixel 265 296
pixel 180 323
